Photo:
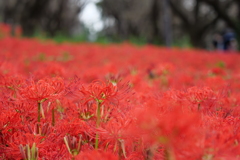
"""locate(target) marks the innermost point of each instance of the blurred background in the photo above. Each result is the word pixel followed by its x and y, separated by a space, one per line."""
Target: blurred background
pixel 206 24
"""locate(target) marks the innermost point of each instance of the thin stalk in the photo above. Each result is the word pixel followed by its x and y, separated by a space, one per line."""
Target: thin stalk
pixel 98 122
pixel 39 111
pixel 199 106
pixel 28 152
pixel 150 154
pixel 169 155
pixel 39 116
pixel 119 151
pixel 67 145
pixel 53 117
pixel 42 111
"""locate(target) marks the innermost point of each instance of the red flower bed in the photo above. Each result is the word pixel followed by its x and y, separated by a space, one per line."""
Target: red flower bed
pixel 92 102
pixel 5 30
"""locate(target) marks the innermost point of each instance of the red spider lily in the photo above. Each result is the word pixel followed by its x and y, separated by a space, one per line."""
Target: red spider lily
pixel 222 136
pixel 39 92
pixel 50 69
pixel 113 136
pixel 28 152
pixel 20 144
pixel 164 69
pixel 107 95
pixel 10 84
pixel 9 124
pixel 41 129
pixel 217 71
pixel 101 92
pixel 44 89
pixel 96 155
pixel 198 95
pixel 204 98
pixel 136 156
pixel 173 129
pixel 73 144
pixel 73 126
pixel 58 84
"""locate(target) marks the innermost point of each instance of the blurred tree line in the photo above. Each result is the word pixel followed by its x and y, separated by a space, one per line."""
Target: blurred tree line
pixel 153 21
pixel 49 16
pixel 197 20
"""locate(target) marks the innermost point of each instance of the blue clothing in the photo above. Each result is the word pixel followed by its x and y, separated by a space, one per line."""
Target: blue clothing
pixel 227 38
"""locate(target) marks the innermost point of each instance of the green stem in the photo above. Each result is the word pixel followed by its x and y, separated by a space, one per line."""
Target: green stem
pixel 39 111
pixel 169 155
pixel 53 117
pixel 199 106
pixel 98 122
pixel 39 117
pixel 149 154
pixel 119 151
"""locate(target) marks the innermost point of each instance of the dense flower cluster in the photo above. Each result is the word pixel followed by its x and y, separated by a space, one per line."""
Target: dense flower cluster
pixel 92 102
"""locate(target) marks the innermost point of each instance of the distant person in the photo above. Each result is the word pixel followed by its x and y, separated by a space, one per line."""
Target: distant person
pixel 233 46
pixel 230 41
pixel 218 42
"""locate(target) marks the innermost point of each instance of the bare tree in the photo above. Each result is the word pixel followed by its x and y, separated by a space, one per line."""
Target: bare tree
pixel 44 15
pixel 138 18
pixel 221 8
pixel 197 19
pixel 61 15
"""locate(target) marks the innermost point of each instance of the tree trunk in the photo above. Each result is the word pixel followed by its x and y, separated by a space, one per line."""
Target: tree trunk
pixel 154 20
pixel 30 16
pixel 196 39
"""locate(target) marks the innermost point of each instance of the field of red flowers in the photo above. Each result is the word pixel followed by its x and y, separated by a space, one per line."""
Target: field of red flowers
pixel 106 102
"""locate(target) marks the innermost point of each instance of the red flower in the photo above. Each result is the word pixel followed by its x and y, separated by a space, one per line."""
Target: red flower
pixel 96 155
pixel 44 89
pixel 18 143
pixel 101 92
pixel 198 95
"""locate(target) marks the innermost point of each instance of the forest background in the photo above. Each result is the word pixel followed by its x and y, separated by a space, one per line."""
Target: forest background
pixel 182 23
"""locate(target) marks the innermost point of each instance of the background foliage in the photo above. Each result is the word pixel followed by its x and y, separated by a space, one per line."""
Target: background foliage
pixel 166 22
